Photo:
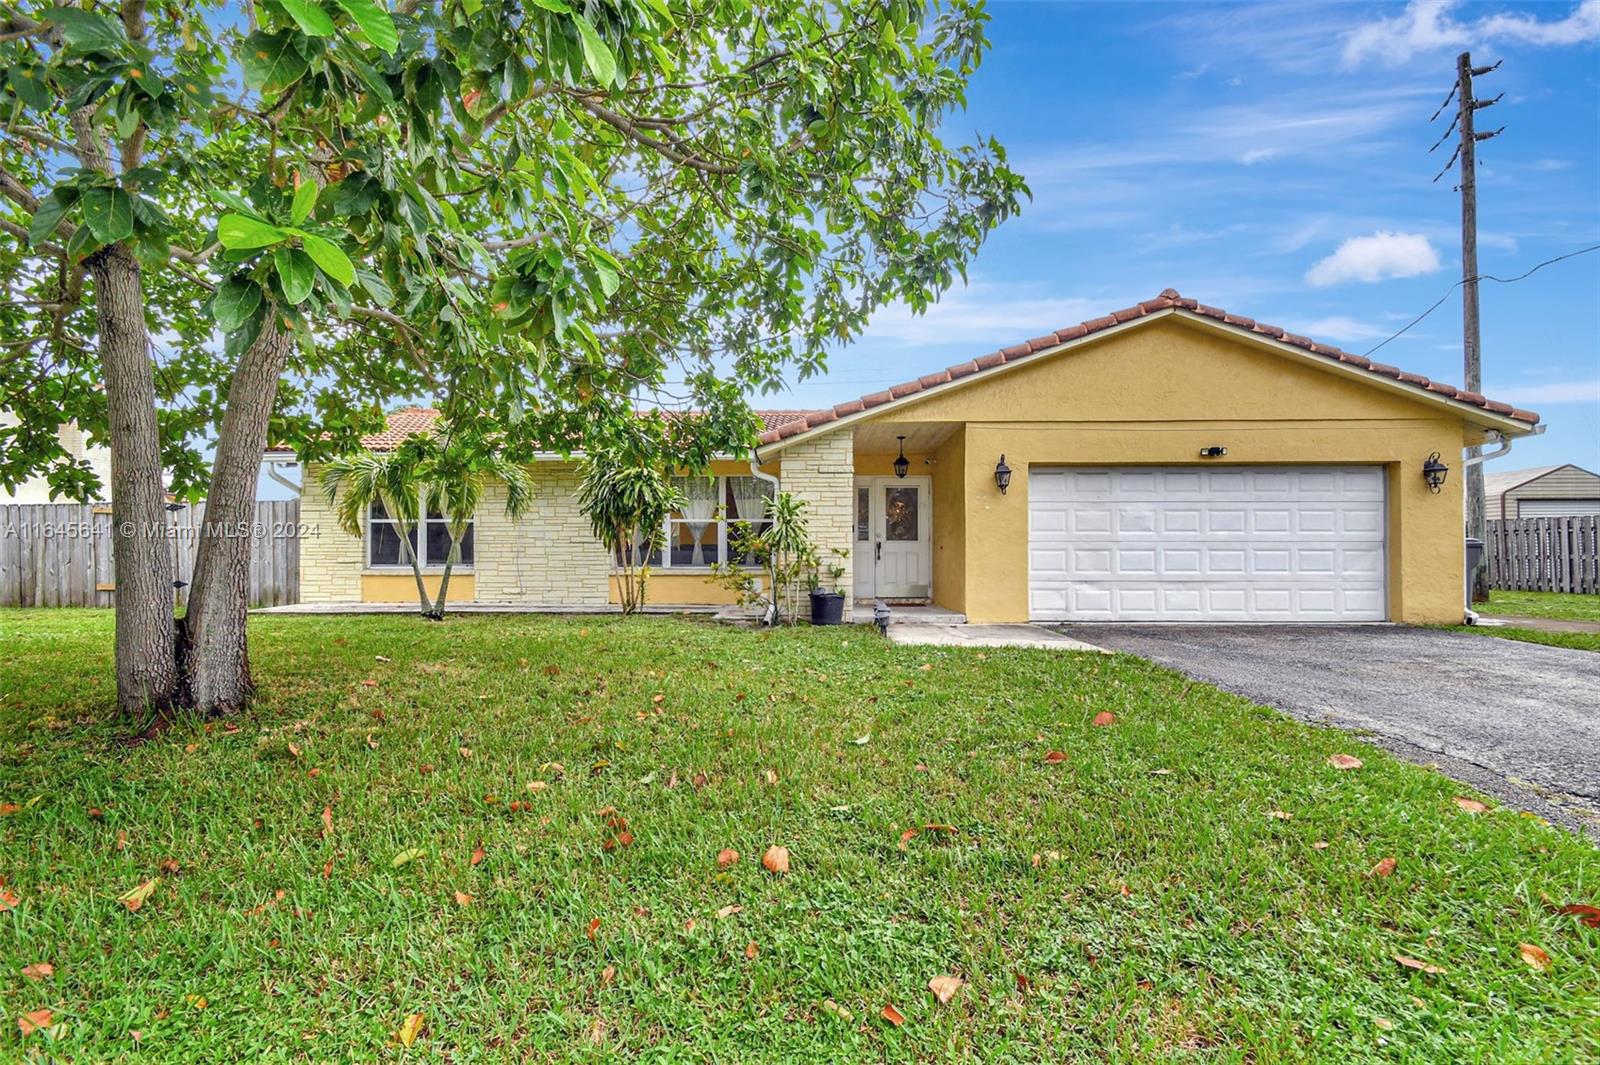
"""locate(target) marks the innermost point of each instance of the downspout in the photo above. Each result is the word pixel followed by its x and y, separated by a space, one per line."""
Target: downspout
pixel 1505 442
pixel 272 465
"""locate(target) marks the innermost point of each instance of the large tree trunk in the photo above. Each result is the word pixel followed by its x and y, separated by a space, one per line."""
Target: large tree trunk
pixel 147 673
pixel 213 652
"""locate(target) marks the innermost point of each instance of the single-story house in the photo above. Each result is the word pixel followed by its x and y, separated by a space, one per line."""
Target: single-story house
pixel 1542 492
pixel 75 442
pixel 1168 462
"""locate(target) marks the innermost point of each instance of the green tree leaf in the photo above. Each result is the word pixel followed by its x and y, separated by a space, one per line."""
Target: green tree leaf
pixel 296 274
pixel 310 16
pixel 272 61
pixel 108 212
pixel 305 198
pixel 88 31
pixel 241 232
pixel 375 23
pixel 334 262
pixel 596 55
pixel 236 300
pixel 48 216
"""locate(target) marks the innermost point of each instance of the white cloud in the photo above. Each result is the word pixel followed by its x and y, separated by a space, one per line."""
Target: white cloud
pixel 1587 391
pixel 1257 155
pixel 1382 255
pixel 1428 26
pixel 1343 328
pixel 983 313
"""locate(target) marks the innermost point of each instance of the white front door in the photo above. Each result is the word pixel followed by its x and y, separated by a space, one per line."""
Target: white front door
pixel 893 553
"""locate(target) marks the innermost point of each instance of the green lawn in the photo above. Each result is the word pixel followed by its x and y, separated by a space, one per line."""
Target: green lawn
pixel 1136 901
pixel 1543 605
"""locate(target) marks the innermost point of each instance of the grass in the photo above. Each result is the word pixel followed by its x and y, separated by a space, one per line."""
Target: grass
pixel 1560 605
pixel 1577 641
pixel 1134 902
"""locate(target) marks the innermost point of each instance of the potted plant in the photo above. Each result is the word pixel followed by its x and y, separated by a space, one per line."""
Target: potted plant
pixel 827 601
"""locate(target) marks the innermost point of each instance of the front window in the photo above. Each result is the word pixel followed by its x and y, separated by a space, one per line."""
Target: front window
pixel 383 540
pixel 701 533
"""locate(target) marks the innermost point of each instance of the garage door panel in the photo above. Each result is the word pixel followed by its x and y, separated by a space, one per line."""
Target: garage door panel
pixel 1195 544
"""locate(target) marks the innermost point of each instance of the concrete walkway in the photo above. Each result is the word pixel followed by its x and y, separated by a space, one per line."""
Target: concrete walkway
pixel 986 636
pixel 1538 624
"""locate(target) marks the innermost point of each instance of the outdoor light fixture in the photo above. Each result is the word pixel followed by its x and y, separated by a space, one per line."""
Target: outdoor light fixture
pixel 1434 471
pixel 1213 452
pixel 1002 475
pixel 902 464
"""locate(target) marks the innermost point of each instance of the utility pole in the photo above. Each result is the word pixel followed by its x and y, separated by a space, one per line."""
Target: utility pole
pixel 1466 151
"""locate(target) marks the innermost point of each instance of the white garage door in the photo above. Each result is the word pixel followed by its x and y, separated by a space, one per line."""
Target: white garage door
pixel 1186 543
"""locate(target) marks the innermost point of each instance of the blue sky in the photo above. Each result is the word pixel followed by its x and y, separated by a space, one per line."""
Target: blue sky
pixel 1273 159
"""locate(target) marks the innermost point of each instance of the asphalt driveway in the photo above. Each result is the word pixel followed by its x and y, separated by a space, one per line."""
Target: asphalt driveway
pixel 1519 720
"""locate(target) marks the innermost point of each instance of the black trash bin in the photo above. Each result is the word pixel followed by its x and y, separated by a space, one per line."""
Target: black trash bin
pixel 1474 557
pixel 827 608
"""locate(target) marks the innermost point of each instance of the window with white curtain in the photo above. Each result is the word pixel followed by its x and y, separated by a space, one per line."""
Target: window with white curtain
pixel 698 534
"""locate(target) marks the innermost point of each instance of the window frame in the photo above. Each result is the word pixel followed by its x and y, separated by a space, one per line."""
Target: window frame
pixel 721 521
pixel 421 545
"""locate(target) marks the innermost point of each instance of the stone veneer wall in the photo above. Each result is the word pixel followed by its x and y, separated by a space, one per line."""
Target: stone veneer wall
pixel 549 556
pixel 331 560
pixel 822 472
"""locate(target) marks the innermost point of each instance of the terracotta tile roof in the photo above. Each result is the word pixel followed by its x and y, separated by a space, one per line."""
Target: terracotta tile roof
pixel 1168 300
pixel 409 421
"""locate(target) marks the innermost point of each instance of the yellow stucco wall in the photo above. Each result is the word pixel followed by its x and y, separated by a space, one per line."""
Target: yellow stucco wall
pixel 402 587
pixel 681 589
pixel 1155 395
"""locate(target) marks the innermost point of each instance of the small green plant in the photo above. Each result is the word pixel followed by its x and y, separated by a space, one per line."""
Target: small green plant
pixel 785 561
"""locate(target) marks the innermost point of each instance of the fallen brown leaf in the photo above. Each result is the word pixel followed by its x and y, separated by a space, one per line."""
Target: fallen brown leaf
pixel 294 749
pixel 893 1016
pixel 9 808
pixel 1420 966
pixel 34 1020
pixel 1104 718
pixel 327 821
pixel 1055 758
pixel 1383 868
pixel 751 950
pixel 1344 761
pixel 135 897
pixel 1320 845
pixel 594 926
pixel 730 910
pixel 477 855
pixel 944 988
pixel 8 900
pixel 1280 815
pixel 608 974
pixel 727 856
pixel 463 899
pixel 169 866
pixel 1536 958
pixel 327 869
pixel 39 970
pixel 1589 915
pixel 1472 806
pixel 776 860
pixel 410 1028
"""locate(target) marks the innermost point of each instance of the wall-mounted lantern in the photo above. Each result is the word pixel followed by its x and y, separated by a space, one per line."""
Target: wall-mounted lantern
pixel 1002 475
pixel 1434 472
pixel 902 464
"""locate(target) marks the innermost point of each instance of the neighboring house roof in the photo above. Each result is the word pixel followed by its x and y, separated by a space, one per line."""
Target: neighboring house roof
pixel 1502 481
pixel 1167 303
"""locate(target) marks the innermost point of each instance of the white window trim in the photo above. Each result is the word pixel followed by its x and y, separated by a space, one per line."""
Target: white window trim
pixel 401 566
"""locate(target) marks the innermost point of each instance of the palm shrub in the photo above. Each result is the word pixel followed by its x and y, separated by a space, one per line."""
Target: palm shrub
pixel 784 556
pixel 353 483
pixel 454 477
pixel 627 504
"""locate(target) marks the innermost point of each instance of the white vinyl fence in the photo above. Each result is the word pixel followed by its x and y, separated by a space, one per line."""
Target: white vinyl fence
pixel 59 554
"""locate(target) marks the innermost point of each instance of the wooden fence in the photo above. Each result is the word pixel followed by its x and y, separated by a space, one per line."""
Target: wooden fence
pixel 1544 554
pixel 59 554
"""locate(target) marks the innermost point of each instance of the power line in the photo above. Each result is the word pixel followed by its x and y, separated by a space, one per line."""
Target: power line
pixel 1481 277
